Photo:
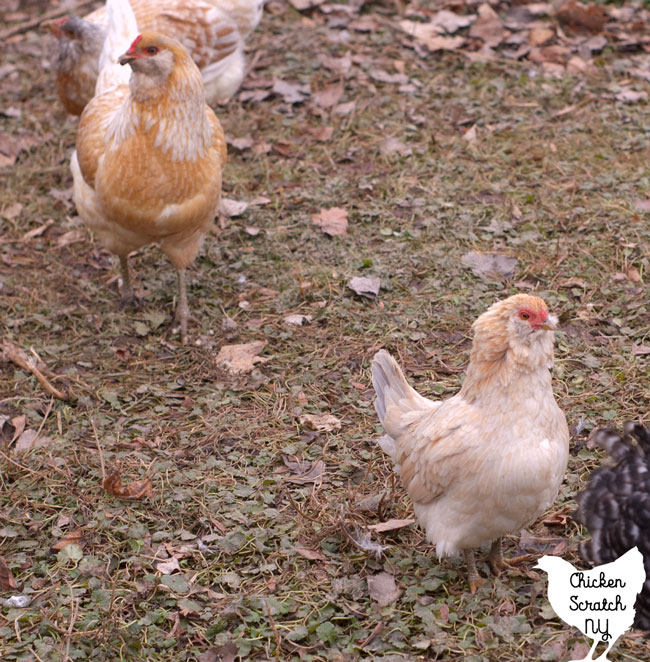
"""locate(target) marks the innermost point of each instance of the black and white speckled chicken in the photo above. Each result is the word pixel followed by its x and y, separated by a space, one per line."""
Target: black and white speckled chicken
pixel 615 507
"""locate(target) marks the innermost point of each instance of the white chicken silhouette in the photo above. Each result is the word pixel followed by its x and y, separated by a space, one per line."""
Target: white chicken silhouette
pixel 599 602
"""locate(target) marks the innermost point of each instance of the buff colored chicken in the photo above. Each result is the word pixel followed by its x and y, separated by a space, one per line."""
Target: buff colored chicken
pixel 149 153
pixel 213 31
pixel 488 461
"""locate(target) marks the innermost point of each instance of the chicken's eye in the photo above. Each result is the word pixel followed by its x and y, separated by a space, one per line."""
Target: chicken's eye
pixel 524 316
pixel 152 50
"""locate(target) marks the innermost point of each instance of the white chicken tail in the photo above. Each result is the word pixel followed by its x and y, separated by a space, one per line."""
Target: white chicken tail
pixel 122 30
pixel 395 398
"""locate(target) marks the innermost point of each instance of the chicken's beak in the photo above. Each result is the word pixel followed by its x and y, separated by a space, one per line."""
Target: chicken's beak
pixel 126 58
pixel 549 325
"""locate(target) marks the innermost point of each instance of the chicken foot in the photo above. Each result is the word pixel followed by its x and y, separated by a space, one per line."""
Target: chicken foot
pixel 474 580
pixel 498 563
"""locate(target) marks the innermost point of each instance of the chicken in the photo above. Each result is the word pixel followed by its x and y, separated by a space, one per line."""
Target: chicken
pixel 598 602
pixel 213 31
pixel 489 460
pixel 149 154
pixel 615 507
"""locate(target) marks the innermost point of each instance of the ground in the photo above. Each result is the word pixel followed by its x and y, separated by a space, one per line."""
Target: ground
pixel 242 543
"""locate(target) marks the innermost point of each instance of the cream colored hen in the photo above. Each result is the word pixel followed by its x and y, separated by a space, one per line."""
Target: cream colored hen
pixel 150 152
pixel 213 32
pixel 488 461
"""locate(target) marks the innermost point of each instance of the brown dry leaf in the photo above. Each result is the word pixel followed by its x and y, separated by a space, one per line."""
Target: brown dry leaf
pixel 450 22
pixel 138 489
pixel 633 275
pixel 291 92
pixel 7 581
pixel 11 211
pixel 576 15
pixel 340 65
pixel 323 133
pixel 304 471
pixel 229 207
pixel 320 422
pixel 390 525
pixel 471 134
pixel 365 286
pixel 392 145
pixel 37 232
pixel 329 96
pixel 75 536
pixel 333 221
pixel 539 36
pixel 303 5
pixel 70 237
pixel 490 266
pixel 310 554
pixel 383 589
pixel 488 27
pixel 641 350
pixel 428 35
pixel 241 143
pixel 29 439
pixel 239 359
pixel 168 566
pixel 225 653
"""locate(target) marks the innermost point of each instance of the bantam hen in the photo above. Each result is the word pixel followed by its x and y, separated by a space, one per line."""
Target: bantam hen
pixel 489 460
pixel 150 153
pixel 213 32
pixel 615 506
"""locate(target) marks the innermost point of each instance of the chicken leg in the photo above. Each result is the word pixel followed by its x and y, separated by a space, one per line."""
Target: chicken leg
pixel 498 563
pixel 127 297
pixel 474 580
pixel 182 310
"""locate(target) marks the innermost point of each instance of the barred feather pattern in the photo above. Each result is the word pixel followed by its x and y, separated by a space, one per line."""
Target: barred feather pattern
pixel 615 507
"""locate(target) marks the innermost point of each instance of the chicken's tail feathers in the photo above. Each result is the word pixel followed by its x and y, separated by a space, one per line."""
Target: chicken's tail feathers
pixel 122 31
pixel 392 389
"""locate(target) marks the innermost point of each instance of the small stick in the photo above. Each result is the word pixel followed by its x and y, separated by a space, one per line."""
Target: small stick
pixel 35 22
pixel 15 354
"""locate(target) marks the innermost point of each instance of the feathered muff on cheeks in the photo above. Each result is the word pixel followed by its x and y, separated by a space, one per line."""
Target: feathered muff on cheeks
pixel 148 53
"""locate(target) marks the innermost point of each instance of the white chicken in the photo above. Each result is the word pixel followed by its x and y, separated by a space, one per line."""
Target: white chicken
pixel 599 602
pixel 213 32
pixel 488 461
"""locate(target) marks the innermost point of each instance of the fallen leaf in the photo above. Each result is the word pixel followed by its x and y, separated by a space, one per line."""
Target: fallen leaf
pixel 29 439
pixel 138 489
pixel 320 422
pixel 229 207
pixel 7 581
pixel 640 350
pixel 241 143
pixel 290 92
pixel 70 237
pixel 303 5
pixel 323 133
pixel 490 266
pixel 576 15
pixel 539 36
pixel 630 96
pixel 75 536
pixel 37 232
pixel 238 359
pixel 340 65
pixel 365 286
pixel 333 221
pixel 428 35
pixel 168 566
pixel 390 525
pixel 304 471
pixel 488 26
pixel 345 108
pixel 471 134
pixel 297 320
pixel 11 211
pixel 383 589
pixel 225 653
pixel 329 96
pixel 392 145
pixel 450 22
pixel 310 554
pixel 382 76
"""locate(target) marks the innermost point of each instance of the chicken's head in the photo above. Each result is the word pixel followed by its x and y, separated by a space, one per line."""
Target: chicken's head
pixel 153 54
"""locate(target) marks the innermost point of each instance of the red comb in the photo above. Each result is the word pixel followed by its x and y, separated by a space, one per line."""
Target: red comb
pixel 135 42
